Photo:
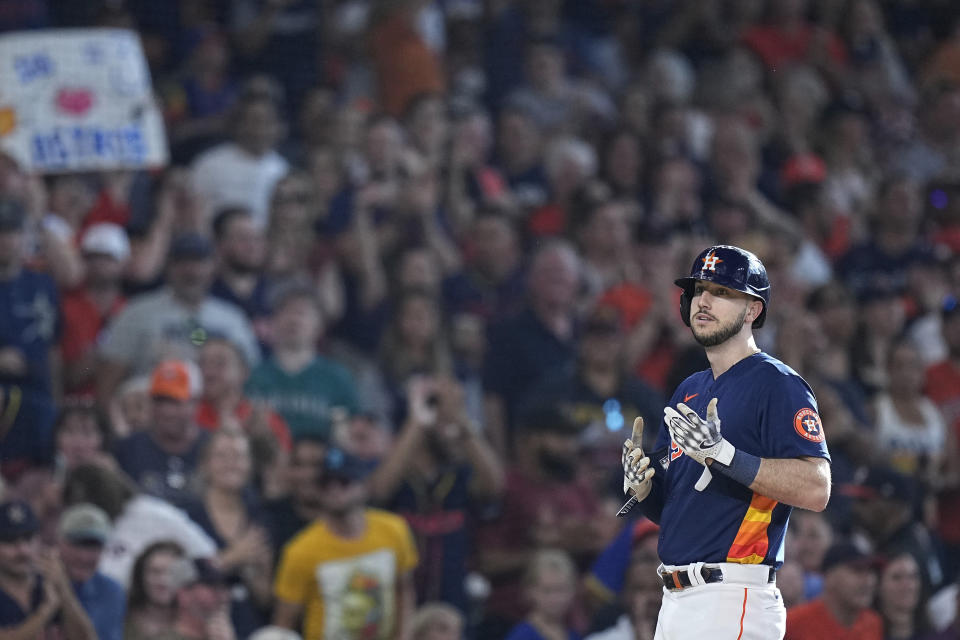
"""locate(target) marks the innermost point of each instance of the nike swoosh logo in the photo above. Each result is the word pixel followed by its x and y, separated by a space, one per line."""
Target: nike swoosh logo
pixel 690 397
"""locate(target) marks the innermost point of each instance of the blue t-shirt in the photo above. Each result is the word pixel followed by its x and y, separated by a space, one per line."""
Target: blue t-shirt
pixel 526 631
pixel 522 352
pixel 438 515
pixel 157 472
pixel 30 322
pixel 105 602
pixel 766 409
pixel 12 614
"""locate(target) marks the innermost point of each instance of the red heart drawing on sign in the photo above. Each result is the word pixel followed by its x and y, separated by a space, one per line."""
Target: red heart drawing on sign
pixel 75 101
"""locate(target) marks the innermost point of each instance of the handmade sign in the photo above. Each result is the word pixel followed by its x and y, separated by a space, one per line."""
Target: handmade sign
pixel 78 100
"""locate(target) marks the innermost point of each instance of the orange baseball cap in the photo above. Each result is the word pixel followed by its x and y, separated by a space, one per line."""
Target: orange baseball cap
pixel 175 379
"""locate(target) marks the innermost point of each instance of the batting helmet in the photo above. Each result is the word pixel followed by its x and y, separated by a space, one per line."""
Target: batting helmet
pixel 730 267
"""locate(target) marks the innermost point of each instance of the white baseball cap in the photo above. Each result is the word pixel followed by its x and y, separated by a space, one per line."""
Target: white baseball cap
pixel 108 239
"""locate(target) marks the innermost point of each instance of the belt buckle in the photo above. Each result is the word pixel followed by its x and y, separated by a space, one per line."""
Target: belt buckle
pixel 676 580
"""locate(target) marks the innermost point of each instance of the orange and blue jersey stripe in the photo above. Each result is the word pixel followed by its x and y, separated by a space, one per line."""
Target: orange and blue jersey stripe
pixel 751 544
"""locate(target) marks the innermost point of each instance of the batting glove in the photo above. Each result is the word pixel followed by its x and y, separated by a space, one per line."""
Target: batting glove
pixel 698 438
pixel 637 473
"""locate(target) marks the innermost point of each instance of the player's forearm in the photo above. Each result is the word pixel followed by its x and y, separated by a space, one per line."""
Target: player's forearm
pixel 800 482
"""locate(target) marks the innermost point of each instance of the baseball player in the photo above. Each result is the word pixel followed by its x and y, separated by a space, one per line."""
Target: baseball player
pixel 740 445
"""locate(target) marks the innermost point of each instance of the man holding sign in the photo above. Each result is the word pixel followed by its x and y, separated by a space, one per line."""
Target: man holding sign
pixel 723 497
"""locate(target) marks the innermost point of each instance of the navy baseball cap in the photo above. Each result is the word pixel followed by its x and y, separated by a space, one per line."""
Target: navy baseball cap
pixel 890 484
pixel 190 246
pixel 340 465
pixel 12 215
pixel 17 521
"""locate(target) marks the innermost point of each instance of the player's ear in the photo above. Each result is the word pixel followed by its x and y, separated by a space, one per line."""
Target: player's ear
pixel 754 309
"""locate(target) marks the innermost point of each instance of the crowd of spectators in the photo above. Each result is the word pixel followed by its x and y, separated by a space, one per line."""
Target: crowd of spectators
pixel 358 363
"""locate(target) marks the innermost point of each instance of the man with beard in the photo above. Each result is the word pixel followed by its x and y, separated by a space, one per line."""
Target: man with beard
pixel 545 504
pixel 36 598
pixel 350 573
pixel 723 501
pixel 171 322
pixel 240 249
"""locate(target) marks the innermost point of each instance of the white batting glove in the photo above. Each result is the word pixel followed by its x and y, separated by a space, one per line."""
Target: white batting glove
pixel 637 473
pixel 698 438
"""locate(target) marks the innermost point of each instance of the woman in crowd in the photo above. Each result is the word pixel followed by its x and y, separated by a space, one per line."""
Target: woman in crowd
pixel 81 437
pixel 899 599
pixel 550 586
pixel 150 604
pixel 227 512
pixel 911 433
pixel 414 344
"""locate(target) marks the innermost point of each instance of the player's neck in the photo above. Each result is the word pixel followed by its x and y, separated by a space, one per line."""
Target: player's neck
pixel 730 352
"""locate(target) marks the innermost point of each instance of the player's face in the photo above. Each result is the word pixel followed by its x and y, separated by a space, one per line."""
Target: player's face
pixel 717 313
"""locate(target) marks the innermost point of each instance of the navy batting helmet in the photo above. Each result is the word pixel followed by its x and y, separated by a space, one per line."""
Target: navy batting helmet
pixel 730 267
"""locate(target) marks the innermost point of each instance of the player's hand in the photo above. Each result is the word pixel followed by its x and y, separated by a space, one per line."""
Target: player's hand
pixel 637 473
pixel 698 438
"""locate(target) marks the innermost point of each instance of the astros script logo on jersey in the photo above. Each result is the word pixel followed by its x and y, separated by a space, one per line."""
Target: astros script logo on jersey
pixel 675 451
pixel 807 424
pixel 710 262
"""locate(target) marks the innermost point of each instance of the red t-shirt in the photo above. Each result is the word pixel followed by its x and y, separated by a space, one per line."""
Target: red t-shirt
pixel 813 621
pixel 943 383
pixel 943 387
pixel 777 47
pixel 209 418
pixel 82 323
pixel 106 209
pixel 525 501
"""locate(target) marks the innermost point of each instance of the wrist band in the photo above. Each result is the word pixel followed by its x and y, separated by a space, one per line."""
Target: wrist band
pixel 743 467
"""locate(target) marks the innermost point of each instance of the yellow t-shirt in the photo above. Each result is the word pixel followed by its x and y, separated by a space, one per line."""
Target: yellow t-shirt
pixel 347 587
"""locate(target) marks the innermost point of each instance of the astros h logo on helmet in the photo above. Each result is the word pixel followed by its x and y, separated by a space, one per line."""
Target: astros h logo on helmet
pixel 710 262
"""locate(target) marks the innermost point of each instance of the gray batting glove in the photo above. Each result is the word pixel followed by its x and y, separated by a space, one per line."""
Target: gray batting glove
pixel 698 438
pixel 637 473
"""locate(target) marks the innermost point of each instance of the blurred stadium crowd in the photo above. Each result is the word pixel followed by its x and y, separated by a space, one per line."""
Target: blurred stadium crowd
pixel 381 322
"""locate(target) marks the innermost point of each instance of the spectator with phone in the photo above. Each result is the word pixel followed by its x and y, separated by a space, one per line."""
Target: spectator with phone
pixel 439 471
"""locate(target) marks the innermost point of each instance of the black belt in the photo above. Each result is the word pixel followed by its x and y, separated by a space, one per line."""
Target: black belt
pixel 680 579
